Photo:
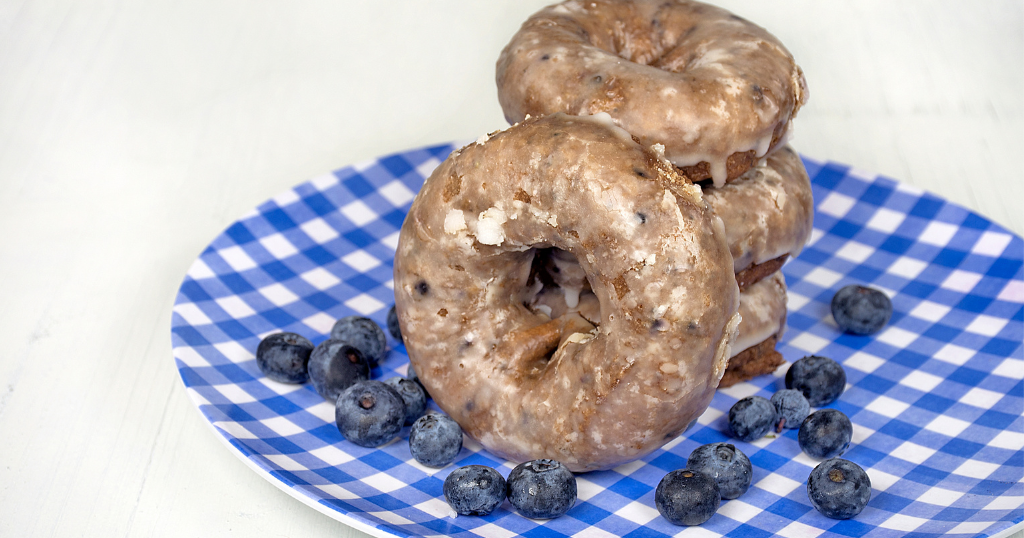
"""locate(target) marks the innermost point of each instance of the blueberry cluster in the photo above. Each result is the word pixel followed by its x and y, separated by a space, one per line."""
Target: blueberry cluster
pixel 810 382
pixel 368 412
pixel 355 346
pixel 538 489
pixel 837 488
pixel 713 472
pixel 371 413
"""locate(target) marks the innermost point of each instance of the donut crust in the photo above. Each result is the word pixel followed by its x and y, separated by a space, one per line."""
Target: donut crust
pixel 716 90
pixel 655 256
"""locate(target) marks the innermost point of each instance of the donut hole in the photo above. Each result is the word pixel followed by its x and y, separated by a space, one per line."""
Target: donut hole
pixel 557 285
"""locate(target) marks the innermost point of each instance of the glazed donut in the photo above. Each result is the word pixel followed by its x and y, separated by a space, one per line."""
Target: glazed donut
pixel 768 212
pixel 716 90
pixel 650 251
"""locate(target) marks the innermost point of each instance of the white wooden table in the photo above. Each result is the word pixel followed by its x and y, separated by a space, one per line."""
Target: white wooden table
pixel 132 133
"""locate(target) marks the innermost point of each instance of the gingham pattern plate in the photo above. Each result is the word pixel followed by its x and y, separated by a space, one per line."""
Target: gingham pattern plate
pixel 936 398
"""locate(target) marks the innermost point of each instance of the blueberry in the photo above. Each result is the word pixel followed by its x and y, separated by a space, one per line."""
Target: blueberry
pixel 752 418
pixel 412 394
pixel 541 489
pixel 792 408
pixel 820 379
pixel 838 488
pixel 861 310
pixel 687 497
pixel 826 433
pixel 435 440
pixel 726 465
pixel 334 366
pixel 393 327
pixel 364 334
pixel 283 357
pixel 474 490
pixel 369 413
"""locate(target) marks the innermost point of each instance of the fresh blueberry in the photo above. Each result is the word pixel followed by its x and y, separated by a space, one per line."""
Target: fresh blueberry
pixel 541 489
pixel 687 497
pixel 393 327
pixel 838 488
pixel 283 357
pixel 435 440
pixel 364 334
pixel 369 413
pixel 412 394
pixel 726 465
pixel 820 379
pixel 826 433
pixel 752 418
pixel 334 366
pixel 474 490
pixel 861 310
pixel 792 408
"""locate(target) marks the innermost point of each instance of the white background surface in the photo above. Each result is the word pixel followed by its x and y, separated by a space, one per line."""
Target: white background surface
pixel 132 133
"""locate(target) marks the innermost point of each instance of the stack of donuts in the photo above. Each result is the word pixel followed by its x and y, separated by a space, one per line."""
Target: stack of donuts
pixel 577 286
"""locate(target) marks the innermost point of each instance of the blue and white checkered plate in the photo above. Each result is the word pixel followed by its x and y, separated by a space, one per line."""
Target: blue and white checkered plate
pixel 936 398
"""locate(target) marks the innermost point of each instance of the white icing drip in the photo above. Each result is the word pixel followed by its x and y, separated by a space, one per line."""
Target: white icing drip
pixel 719 172
pixel 572 297
pixel 763 145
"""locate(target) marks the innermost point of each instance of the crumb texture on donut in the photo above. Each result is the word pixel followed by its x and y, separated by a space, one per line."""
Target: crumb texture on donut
pixel 564 293
pixel 716 90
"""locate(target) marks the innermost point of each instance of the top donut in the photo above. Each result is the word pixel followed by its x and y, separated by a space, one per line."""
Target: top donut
pixel 717 91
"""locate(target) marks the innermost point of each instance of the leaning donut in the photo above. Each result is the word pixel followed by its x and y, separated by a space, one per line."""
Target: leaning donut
pixel 716 90
pixel 524 385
